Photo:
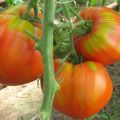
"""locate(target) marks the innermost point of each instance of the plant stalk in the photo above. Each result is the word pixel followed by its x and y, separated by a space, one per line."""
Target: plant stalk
pixel 50 84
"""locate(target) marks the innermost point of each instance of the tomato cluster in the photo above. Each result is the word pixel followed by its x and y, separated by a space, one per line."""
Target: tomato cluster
pixel 87 86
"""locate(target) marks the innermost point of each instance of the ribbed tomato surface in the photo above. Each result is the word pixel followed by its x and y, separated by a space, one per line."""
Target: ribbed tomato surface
pixel 102 43
pixel 84 89
pixel 19 62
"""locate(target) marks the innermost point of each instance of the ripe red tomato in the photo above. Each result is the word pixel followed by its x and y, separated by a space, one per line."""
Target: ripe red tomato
pixel 19 62
pixel 85 89
pixel 102 43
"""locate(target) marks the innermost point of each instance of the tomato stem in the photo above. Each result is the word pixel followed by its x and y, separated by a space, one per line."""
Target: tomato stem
pixel 50 84
pixel 69 24
pixel 31 4
pixel 62 63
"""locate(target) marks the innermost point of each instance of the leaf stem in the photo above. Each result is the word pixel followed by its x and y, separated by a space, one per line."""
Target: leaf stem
pixel 31 4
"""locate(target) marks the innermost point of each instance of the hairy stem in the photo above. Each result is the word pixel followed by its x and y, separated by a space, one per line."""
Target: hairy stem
pixel 50 84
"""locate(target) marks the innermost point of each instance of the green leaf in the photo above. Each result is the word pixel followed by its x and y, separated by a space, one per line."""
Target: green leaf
pixel 104 117
pixel 14 2
pixel 118 1
pixel 81 1
pixel 103 2
pixel 92 2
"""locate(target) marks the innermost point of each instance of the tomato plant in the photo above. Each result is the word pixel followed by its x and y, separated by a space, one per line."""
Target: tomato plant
pixel 84 89
pixel 19 62
pixel 102 43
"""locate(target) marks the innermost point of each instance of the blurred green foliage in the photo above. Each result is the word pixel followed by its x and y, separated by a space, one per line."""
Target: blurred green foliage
pixel 14 2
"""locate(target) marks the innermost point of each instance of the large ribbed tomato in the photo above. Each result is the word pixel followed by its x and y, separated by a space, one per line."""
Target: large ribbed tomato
pixel 84 90
pixel 102 43
pixel 19 62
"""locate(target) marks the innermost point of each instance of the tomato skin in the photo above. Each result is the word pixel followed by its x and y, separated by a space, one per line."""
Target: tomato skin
pixel 19 62
pixel 85 89
pixel 102 43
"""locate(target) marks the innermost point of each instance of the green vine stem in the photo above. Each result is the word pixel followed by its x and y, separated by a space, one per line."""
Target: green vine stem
pixel 50 84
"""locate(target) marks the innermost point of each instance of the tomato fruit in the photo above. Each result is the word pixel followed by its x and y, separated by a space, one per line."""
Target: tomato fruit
pixel 20 63
pixel 84 90
pixel 102 43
